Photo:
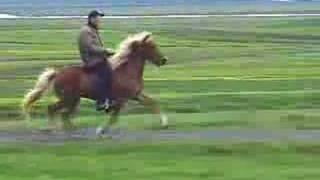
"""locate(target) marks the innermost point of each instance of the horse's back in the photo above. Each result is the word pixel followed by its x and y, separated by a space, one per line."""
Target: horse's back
pixel 69 74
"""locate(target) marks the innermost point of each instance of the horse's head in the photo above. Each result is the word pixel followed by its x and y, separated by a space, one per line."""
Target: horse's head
pixel 147 48
pixel 140 46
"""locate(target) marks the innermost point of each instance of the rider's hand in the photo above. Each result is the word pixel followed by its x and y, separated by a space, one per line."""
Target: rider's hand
pixel 110 52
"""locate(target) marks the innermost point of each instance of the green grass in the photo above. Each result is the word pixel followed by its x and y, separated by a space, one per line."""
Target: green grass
pixel 162 160
pixel 260 73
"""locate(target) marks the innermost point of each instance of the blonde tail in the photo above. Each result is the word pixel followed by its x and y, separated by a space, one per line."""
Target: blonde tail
pixel 43 84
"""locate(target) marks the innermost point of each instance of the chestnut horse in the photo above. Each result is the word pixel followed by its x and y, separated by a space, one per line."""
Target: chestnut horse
pixel 72 83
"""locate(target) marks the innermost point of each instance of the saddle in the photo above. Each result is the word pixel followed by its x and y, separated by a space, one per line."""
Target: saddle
pixel 90 68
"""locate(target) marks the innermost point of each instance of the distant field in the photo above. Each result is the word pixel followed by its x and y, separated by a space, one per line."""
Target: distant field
pixel 261 73
pixel 152 7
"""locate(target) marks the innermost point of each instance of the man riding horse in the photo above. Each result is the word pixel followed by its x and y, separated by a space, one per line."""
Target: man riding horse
pixel 108 84
pixel 95 60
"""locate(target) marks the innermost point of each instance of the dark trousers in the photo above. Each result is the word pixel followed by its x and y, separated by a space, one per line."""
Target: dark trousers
pixel 101 83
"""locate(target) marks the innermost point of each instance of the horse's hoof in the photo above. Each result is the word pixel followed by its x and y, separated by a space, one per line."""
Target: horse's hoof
pixel 102 133
pixel 99 131
pixel 164 121
pixel 108 133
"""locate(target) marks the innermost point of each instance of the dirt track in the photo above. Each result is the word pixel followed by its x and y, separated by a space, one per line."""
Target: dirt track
pixel 208 135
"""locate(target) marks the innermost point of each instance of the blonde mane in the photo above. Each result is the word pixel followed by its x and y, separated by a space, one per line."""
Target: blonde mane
pixel 125 49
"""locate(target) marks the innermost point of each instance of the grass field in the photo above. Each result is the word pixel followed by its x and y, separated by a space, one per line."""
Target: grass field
pixel 260 73
pixel 163 160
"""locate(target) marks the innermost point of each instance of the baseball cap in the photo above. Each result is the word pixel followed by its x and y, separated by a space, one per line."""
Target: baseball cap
pixel 95 13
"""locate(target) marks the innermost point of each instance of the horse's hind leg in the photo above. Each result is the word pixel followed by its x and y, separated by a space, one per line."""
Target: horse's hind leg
pixel 69 109
pixel 149 102
pixel 52 111
pixel 66 106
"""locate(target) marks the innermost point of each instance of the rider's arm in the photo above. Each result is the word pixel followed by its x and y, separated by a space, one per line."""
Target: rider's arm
pixel 88 42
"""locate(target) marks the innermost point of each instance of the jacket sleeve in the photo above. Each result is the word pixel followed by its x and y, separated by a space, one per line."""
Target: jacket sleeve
pixel 88 43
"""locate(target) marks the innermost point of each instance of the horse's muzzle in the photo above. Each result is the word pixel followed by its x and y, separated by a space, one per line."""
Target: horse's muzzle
pixel 164 61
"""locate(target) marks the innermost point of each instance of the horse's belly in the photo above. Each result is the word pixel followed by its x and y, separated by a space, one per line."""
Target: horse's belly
pixel 126 90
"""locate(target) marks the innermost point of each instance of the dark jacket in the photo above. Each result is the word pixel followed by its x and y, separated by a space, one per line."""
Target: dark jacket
pixel 91 47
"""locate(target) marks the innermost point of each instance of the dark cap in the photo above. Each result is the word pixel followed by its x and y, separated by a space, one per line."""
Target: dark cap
pixel 95 13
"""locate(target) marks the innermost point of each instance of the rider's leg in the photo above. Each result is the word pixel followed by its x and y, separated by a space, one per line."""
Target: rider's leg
pixel 103 87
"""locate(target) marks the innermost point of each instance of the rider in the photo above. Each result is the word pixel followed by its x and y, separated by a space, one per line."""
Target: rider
pixel 94 57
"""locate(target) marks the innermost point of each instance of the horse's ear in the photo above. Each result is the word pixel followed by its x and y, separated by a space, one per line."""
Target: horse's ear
pixel 147 36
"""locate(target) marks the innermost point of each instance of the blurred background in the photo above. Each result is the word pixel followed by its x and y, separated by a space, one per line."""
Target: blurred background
pixel 129 7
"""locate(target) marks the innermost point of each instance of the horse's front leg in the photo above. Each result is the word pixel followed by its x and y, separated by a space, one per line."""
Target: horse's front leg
pixel 154 105
pixel 105 127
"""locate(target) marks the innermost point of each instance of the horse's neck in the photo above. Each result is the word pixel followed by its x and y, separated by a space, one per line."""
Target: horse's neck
pixel 133 68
